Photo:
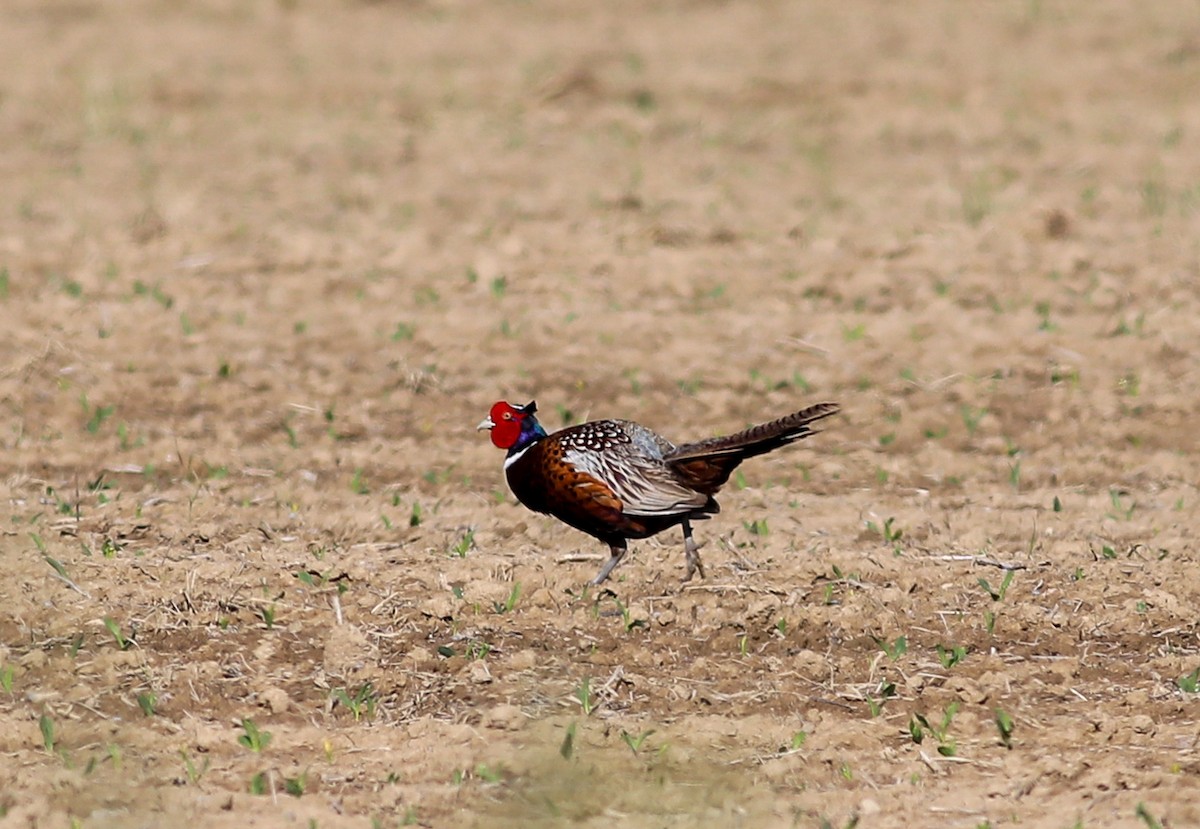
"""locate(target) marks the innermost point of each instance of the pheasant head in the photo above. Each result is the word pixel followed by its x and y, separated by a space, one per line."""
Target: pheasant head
pixel 513 427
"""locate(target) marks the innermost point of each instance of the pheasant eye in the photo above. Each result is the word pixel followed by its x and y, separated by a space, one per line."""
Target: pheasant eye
pixel 508 415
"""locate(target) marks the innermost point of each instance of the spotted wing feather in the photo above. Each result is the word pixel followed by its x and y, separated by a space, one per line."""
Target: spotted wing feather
pixel 628 459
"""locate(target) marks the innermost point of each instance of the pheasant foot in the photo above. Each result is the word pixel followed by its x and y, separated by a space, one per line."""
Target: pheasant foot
pixel 618 553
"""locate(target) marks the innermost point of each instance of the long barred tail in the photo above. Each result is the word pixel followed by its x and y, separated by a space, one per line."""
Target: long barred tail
pixel 707 464
pixel 758 439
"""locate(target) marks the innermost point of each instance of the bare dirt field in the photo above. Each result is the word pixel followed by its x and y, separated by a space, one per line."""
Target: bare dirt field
pixel 264 266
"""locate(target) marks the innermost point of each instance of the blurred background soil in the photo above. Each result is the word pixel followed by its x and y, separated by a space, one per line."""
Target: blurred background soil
pixel 263 266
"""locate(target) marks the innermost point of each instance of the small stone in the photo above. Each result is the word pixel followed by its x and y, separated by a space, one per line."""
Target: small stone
pixel 868 807
pixel 478 671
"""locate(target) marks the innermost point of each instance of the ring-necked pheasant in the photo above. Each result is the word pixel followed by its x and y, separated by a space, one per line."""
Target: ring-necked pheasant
pixel 616 480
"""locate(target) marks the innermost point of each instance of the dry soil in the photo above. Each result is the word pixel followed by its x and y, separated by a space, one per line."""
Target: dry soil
pixel 264 265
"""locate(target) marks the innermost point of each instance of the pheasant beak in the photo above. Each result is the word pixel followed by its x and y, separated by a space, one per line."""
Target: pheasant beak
pixel 486 423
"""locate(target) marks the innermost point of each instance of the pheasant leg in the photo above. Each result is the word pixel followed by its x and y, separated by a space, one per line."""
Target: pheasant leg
pixel 618 553
pixel 692 549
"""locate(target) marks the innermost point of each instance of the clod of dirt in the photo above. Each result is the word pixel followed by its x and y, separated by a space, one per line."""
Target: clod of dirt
pixel 1057 224
pixel 276 700
pixel 504 717
pixel 440 606
pixel 421 658
pixel 348 651
pixel 523 660
pixel 967 690
pixel 1142 724
pixel 810 665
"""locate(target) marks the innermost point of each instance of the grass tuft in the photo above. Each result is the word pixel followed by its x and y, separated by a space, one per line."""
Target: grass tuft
pixel 252 737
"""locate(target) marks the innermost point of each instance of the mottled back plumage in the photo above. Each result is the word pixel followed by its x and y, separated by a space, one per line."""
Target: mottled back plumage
pixel 616 480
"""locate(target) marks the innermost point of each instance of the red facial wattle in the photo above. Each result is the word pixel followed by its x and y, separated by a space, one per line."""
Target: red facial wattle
pixel 506 428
